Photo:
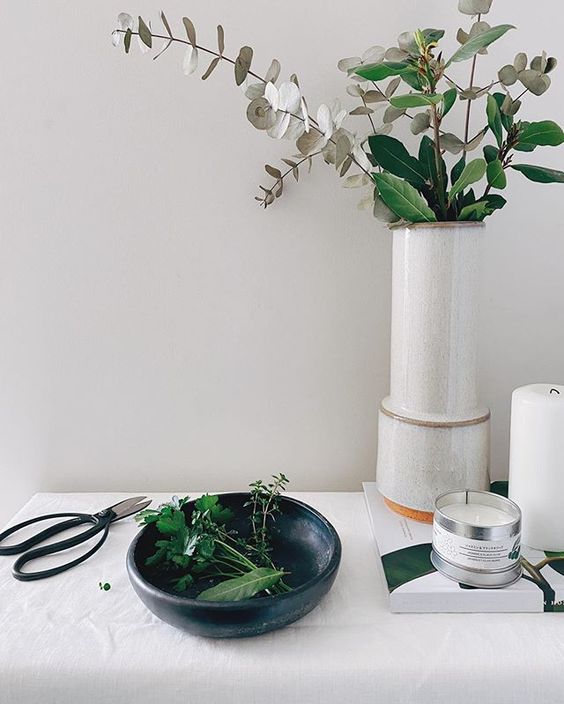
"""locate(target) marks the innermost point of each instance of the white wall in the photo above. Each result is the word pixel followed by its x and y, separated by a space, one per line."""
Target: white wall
pixel 157 329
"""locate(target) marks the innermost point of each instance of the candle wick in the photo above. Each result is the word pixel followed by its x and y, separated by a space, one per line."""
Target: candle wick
pixel 555 391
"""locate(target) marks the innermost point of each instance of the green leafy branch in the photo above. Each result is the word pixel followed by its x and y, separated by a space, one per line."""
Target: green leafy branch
pixel 398 186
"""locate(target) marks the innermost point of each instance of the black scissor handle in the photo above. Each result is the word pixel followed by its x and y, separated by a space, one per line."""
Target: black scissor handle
pixel 101 523
pixel 76 520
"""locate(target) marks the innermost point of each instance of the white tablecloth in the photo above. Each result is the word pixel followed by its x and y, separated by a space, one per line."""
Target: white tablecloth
pixel 63 640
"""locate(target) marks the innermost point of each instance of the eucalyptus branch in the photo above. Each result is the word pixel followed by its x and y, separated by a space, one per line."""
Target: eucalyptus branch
pixel 178 40
pixel 269 195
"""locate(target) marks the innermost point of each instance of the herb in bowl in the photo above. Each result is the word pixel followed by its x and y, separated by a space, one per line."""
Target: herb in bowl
pixel 202 548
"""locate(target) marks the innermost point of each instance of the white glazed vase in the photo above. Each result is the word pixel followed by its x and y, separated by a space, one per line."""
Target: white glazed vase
pixel 433 434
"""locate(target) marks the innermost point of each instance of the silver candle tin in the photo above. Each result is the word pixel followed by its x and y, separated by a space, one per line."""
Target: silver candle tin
pixel 479 556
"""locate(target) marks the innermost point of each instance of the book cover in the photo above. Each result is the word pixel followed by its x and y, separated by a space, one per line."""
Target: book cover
pixel 403 548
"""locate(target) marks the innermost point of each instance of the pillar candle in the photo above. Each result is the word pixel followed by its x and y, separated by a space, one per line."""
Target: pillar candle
pixel 536 463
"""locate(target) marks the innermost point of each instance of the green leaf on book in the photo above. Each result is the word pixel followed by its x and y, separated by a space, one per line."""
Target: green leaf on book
pixel 407 564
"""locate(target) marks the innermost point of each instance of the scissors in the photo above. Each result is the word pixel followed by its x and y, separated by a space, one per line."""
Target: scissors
pixel 100 521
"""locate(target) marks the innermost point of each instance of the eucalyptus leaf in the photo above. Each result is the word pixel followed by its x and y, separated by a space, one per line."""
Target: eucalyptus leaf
pixel 348 63
pixel 420 122
pixel 243 64
pixel 395 54
pixel 520 62
pixel 342 149
pixel 166 24
pixel 220 39
pixel 127 40
pixel 544 133
pixel 392 86
pixel 402 198
pixel 494 119
pixel 480 41
pixel 392 113
pixel 449 98
pixel 452 143
pixel 378 72
pixel 213 64
pixel 373 55
pixel 392 156
pixel 190 62
pixel 472 172
pixel 507 75
pixel 551 64
pixel 475 142
pixel 374 96
pixel 474 7
pixel 273 72
pixel 361 110
pixel 382 212
pixel 145 33
pixel 415 100
pixel 540 174
pixel 535 81
pixel 244 587
pixel 539 63
pixel 308 142
pixel 190 30
pixel 262 117
pixel 356 181
pixel 496 175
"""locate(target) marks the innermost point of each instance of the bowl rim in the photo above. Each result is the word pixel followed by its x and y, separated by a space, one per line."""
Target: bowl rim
pixel 334 562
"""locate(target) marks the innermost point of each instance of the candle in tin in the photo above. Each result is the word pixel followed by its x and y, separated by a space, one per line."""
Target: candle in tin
pixel 476 538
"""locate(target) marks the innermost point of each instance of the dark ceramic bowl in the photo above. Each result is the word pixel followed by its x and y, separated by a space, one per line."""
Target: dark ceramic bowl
pixel 304 543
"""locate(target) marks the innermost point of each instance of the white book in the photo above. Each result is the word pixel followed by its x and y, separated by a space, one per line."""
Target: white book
pixel 403 548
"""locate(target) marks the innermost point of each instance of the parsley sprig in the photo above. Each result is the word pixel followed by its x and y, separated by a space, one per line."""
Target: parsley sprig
pixel 199 546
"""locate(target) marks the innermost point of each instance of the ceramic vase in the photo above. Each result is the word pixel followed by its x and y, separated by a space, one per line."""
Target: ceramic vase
pixel 433 433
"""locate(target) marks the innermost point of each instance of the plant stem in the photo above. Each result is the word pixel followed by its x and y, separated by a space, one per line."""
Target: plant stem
pixel 469 106
pixel 437 148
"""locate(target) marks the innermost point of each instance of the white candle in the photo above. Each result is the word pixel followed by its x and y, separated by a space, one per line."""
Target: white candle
pixel 536 463
pixel 477 514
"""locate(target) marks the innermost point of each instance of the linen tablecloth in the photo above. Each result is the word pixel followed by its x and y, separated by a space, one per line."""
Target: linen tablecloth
pixel 63 640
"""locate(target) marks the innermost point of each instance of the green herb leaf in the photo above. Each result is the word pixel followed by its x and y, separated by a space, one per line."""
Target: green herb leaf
pixel 496 175
pixel 416 100
pixel 471 173
pixel 243 587
pixel 494 119
pixel 474 211
pixel 378 72
pixel 403 199
pixel 545 133
pixel 171 524
pixel 540 174
pixel 457 169
pixel 392 156
pixel 449 98
pixel 490 153
pixel 480 41
pixel 145 33
pixel 428 161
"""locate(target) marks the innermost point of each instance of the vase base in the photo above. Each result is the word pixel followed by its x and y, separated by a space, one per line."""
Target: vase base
pixel 414 514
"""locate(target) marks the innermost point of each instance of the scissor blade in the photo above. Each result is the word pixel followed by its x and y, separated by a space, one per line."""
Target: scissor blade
pixel 129 507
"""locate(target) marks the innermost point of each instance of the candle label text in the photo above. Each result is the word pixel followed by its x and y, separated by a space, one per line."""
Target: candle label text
pixel 476 554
